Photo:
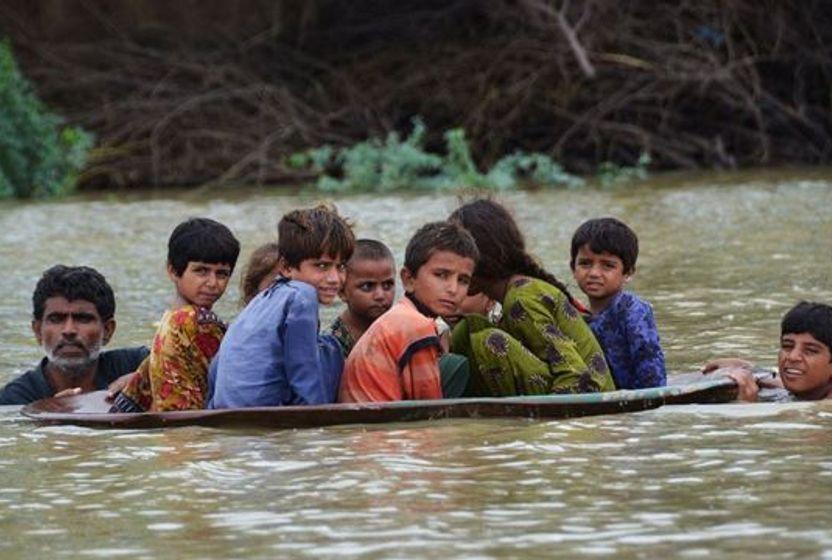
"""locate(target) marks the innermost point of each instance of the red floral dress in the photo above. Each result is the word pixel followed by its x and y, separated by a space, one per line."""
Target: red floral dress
pixel 175 374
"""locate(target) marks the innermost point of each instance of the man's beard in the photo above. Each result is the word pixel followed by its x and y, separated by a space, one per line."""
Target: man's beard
pixel 75 366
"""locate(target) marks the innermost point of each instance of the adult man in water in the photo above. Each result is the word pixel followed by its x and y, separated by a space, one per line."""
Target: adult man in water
pixel 73 318
pixel 804 362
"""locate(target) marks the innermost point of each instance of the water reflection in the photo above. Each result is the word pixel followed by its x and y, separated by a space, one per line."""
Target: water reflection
pixel 720 262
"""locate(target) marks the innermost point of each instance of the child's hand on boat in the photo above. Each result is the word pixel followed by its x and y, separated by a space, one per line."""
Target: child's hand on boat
pixel 116 386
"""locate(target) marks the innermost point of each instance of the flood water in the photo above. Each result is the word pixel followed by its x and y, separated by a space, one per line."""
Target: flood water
pixel 722 257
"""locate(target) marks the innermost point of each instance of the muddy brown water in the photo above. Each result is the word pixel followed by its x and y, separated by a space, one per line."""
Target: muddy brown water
pixel 722 257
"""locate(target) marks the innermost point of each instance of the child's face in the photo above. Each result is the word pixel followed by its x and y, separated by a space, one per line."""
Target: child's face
pixel 201 284
pixel 599 275
pixel 804 362
pixel 326 273
pixel 369 288
pixel 441 283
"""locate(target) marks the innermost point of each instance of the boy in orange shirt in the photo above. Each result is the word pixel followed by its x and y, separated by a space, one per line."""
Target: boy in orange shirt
pixel 397 358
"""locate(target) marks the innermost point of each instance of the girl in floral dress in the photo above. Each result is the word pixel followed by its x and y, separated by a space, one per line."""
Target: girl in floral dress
pixel 201 257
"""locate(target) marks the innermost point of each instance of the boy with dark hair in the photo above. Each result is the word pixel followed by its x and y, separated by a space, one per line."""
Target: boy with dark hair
pixel 804 362
pixel 202 254
pixel 398 357
pixel 73 311
pixel 603 258
pixel 273 354
pixel 368 291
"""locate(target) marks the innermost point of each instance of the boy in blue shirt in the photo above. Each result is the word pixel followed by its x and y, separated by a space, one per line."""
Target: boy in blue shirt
pixel 603 259
pixel 273 354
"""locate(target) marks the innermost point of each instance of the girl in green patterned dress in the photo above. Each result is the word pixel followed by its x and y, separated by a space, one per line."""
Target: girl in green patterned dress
pixel 541 344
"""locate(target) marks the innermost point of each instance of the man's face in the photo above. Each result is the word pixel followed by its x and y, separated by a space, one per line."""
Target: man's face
pixel 72 333
pixel 369 288
pixel 804 362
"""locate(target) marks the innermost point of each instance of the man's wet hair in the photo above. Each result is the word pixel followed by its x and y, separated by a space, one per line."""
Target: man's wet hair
pixel 201 240
pixel 311 233
pixel 371 250
pixel 74 283
pixel 438 236
pixel 809 317
pixel 606 235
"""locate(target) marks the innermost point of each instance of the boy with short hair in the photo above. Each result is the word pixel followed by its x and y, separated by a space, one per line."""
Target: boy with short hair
pixel 202 254
pixel 368 291
pixel 603 258
pixel 804 362
pixel 273 354
pixel 398 357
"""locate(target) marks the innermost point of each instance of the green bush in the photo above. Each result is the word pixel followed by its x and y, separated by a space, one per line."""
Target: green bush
pixel 377 165
pixel 38 156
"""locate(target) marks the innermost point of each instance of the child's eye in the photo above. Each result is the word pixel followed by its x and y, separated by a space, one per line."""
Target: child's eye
pixel 389 285
pixel 342 267
pixel 366 287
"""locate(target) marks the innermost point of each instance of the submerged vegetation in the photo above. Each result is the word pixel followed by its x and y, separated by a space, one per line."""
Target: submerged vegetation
pixel 39 156
pixel 393 163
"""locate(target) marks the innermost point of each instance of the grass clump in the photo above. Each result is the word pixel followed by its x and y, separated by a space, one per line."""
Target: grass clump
pixel 39 157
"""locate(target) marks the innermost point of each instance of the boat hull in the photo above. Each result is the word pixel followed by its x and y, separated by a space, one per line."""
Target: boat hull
pixel 90 409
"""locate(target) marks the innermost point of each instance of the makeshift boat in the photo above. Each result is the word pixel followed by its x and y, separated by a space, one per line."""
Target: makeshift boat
pixel 90 409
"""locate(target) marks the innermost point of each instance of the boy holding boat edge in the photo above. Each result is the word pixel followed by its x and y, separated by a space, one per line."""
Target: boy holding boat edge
pixel 804 362
pixel 603 259
pixel 202 254
pixel 273 354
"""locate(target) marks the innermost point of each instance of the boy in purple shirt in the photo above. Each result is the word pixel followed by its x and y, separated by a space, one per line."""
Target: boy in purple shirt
pixel 273 354
pixel 603 259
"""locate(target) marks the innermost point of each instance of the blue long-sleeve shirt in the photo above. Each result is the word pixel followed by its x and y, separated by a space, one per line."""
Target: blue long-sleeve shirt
pixel 272 355
pixel 627 333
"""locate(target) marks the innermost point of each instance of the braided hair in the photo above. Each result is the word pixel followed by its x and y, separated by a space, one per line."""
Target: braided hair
pixel 501 244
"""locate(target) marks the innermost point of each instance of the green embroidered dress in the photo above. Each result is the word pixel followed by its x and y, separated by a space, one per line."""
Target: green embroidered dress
pixel 540 345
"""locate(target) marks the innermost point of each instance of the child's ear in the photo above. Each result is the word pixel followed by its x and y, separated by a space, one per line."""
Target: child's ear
pixel 407 279
pixel 629 275
pixel 283 268
pixel 172 273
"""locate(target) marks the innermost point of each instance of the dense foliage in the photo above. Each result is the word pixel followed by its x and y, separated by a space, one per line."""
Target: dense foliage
pixel 38 155
pixel 182 93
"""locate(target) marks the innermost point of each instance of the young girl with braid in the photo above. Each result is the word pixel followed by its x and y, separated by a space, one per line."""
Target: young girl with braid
pixel 541 344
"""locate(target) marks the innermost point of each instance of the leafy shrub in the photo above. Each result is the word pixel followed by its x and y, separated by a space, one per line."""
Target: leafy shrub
pixel 383 165
pixel 38 156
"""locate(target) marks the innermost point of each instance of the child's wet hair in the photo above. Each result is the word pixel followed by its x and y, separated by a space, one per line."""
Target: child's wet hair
pixel 261 262
pixel 438 236
pixel 606 235
pixel 809 317
pixel 501 245
pixel 201 240
pixel 371 250
pixel 311 233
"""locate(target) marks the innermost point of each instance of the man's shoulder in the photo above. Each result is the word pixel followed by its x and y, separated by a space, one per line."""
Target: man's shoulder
pixel 26 388
pixel 123 358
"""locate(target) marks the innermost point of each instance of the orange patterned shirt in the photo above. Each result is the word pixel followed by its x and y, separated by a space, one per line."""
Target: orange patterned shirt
pixel 396 359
